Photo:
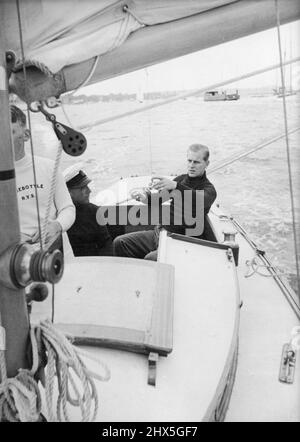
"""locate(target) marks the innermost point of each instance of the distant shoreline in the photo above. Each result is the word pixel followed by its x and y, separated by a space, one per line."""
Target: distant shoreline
pixel 157 95
pixel 154 95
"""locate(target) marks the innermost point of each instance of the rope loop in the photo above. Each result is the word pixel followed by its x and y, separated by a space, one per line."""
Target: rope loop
pixel 75 384
pixel 66 377
pixel 20 399
pixel 25 63
pixel 254 267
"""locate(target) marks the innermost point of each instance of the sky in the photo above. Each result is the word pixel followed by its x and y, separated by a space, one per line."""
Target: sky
pixel 209 66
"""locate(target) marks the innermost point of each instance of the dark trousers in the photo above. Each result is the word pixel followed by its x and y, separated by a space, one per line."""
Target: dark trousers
pixel 106 249
pixel 140 245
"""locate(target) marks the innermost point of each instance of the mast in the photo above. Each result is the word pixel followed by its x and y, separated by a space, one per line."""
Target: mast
pixel 13 310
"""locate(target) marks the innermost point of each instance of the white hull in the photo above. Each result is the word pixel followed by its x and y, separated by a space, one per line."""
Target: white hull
pixel 215 343
pixel 266 321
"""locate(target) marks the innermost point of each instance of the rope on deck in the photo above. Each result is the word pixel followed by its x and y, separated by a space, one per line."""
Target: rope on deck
pixel 67 380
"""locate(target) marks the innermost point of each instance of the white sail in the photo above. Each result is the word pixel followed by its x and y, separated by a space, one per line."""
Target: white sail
pixel 66 39
pixel 71 33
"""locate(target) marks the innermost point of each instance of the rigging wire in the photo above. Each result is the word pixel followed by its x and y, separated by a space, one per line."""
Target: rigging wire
pixel 80 86
pixel 42 229
pixel 238 156
pixel 29 122
pixel 149 117
pixel 85 82
pixel 52 303
pixel 66 115
pixel 287 144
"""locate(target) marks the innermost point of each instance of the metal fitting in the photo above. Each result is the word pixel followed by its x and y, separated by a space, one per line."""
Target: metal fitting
pixel 23 264
pixel 229 239
pixel 229 235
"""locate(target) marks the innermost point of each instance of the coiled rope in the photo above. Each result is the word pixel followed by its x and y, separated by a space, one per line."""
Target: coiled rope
pixel 20 398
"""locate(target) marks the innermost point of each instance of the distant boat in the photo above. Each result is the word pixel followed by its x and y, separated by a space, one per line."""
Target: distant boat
pixel 286 90
pixel 281 91
pixel 221 96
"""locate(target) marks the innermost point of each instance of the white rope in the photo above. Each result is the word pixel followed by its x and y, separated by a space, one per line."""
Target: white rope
pixel 127 9
pixel 254 267
pixel 85 82
pixel 66 114
pixel 64 360
pixel 115 43
pixel 88 355
pixel 20 398
pixel 51 193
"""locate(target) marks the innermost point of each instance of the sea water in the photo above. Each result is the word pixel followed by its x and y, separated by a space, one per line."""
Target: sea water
pixel 255 190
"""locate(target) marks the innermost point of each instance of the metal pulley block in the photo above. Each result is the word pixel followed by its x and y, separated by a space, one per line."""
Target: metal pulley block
pixel 73 142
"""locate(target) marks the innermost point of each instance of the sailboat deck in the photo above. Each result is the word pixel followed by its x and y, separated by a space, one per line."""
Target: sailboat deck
pixel 266 323
pixel 191 379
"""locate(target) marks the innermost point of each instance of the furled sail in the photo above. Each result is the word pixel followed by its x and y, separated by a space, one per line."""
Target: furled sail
pixel 68 32
pixel 127 35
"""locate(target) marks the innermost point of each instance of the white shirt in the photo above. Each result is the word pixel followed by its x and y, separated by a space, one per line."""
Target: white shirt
pixel 62 208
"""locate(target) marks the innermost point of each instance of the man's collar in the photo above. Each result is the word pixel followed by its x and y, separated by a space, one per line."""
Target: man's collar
pixel 199 177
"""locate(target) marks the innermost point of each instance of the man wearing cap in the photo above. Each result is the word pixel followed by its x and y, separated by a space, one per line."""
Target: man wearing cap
pixel 86 236
pixel 62 211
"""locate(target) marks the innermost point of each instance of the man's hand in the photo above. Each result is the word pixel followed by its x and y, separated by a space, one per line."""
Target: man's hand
pixel 161 183
pixel 25 237
pixel 54 229
pixel 140 195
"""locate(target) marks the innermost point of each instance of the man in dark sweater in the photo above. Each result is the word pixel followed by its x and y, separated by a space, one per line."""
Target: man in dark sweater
pixel 86 236
pixel 144 244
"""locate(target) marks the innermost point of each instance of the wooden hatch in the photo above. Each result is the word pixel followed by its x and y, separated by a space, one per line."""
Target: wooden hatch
pixel 124 304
